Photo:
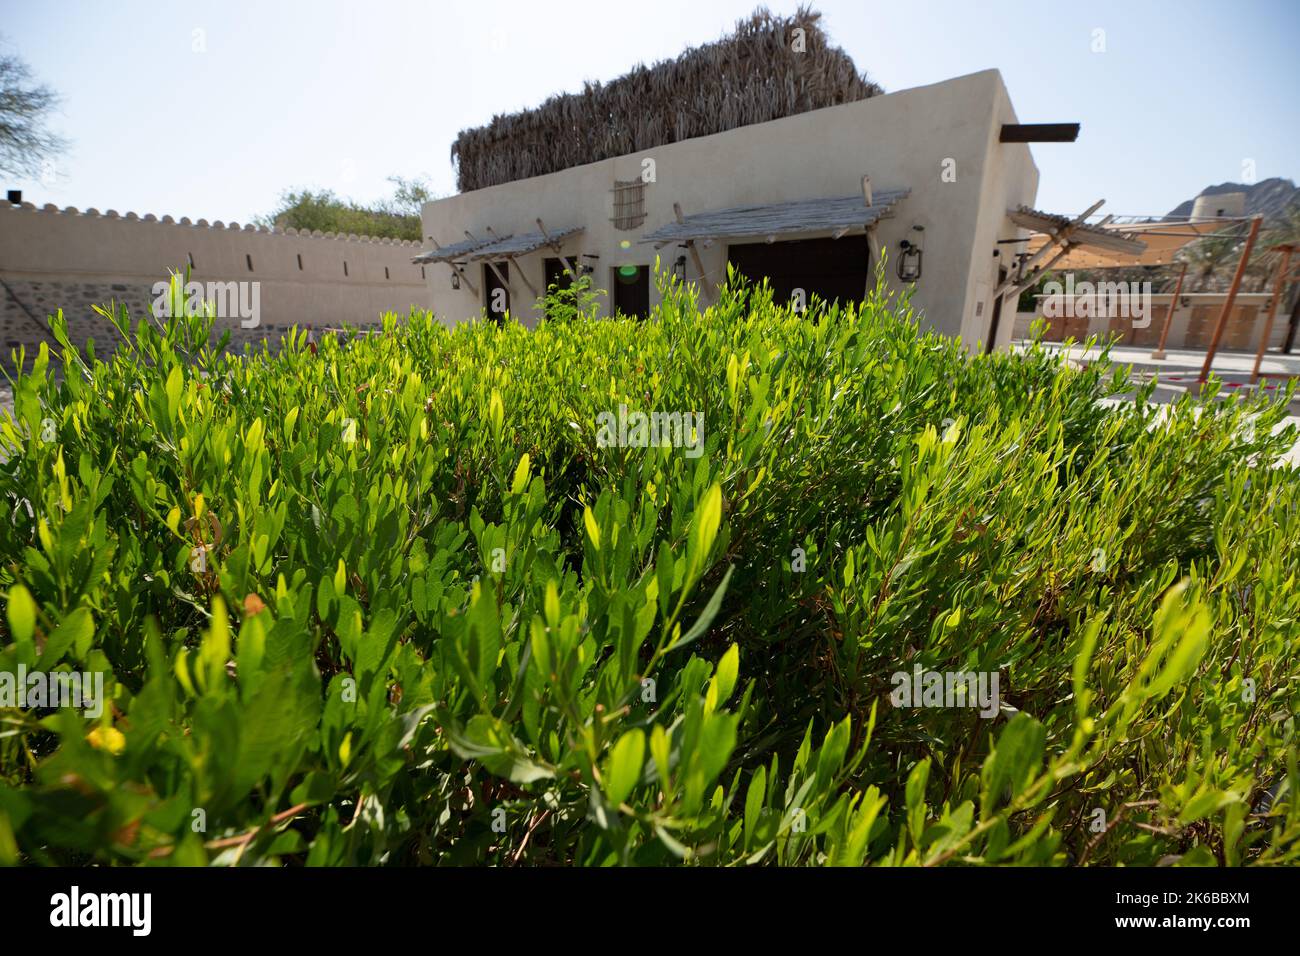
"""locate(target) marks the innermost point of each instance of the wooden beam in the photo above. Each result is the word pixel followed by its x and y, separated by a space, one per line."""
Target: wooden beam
pixel 555 247
pixel 705 284
pixel 1019 287
pixel 1279 287
pixel 873 243
pixel 866 190
pixel 505 281
pixel 456 270
pixel 699 267
pixel 1159 353
pixel 541 227
pixel 873 260
pixel 1231 300
pixel 522 278
pixel 1039 133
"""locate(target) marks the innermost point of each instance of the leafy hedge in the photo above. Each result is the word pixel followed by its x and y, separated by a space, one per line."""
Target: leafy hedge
pixel 387 600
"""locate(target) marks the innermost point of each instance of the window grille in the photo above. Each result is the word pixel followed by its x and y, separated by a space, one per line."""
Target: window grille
pixel 629 203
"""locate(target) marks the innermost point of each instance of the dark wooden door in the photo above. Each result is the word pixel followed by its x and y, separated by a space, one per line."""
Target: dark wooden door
pixel 631 291
pixel 829 268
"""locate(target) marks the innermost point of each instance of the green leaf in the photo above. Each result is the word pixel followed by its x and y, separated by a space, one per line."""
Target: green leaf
pixel 623 768
pixel 21 611
pixel 593 529
pixel 175 384
pixel 77 627
pixel 725 678
pixel 490 742
pixel 754 803
pixel 706 616
pixel 496 414
pixel 1192 627
pixel 520 481
pixel 704 528
pixel 1015 759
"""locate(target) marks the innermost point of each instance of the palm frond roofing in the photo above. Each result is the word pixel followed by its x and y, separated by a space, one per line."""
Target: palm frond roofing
pixel 770 67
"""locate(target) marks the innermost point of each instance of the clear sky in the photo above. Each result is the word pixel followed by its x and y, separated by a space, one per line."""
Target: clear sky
pixel 339 94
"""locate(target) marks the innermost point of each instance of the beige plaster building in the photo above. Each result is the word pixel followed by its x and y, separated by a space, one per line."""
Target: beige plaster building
pixel 784 199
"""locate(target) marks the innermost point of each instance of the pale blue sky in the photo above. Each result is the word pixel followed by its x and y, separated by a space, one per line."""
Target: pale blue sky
pixel 340 95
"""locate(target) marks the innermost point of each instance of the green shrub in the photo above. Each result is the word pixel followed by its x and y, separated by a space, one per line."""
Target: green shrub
pixel 394 601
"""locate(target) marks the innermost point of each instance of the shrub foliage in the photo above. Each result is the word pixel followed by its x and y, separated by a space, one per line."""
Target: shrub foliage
pixel 390 601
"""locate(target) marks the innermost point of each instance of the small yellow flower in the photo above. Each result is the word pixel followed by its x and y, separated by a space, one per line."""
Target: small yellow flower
pixel 107 738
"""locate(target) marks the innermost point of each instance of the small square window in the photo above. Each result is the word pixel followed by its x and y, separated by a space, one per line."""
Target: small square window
pixel 629 203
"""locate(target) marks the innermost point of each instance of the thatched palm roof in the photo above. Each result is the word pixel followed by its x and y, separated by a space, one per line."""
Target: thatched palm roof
pixel 752 76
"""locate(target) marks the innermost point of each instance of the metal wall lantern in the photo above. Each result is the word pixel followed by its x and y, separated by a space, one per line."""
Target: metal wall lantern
pixel 909 263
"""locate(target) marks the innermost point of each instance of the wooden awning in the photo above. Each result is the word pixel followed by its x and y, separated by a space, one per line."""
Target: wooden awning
pixel 807 217
pixel 508 247
pixel 448 253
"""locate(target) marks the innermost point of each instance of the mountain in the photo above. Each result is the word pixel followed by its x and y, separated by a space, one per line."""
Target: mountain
pixel 1268 197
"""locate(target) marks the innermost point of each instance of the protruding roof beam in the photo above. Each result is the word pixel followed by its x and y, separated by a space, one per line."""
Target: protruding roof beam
pixel 1039 132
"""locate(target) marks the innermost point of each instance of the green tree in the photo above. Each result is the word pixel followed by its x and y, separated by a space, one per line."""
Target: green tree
pixel 395 217
pixel 1210 262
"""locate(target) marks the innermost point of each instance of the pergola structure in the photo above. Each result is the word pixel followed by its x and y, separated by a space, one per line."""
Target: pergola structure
pixel 1054 238
pixel 1115 245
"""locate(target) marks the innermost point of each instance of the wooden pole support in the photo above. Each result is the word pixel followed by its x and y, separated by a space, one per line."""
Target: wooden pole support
pixel 1279 286
pixel 555 247
pixel 1159 353
pixel 457 271
pixel 695 256
pixel 505 280
pixel 1222 324
pixel 519 270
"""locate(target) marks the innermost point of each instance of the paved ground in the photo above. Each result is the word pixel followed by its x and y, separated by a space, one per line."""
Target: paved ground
pixel 1181 367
